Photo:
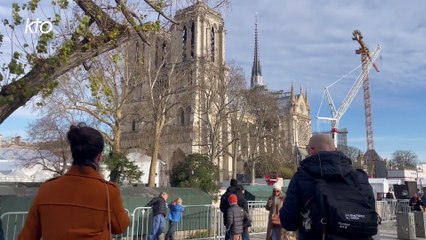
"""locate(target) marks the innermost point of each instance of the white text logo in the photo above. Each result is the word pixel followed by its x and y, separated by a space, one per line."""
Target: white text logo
pixel 37 25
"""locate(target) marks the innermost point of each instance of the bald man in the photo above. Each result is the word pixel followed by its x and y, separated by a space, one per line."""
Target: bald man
pixel 320 142
pixel 323 161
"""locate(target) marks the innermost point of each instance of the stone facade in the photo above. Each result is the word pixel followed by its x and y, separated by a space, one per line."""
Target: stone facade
pixel 190 55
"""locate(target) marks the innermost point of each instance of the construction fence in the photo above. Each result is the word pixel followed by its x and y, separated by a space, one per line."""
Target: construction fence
pixel 198 221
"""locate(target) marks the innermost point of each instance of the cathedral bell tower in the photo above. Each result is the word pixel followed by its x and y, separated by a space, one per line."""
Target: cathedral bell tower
pixel 199 35
pixel 198 52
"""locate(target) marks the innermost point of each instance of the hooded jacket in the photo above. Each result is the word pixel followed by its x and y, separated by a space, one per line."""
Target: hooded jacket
pixel 302 187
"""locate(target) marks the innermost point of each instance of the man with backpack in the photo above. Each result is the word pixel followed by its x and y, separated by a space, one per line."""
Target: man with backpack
pixel 327 199
pixel 234 188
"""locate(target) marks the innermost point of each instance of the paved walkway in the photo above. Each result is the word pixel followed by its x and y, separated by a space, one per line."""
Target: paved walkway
pixel 387 232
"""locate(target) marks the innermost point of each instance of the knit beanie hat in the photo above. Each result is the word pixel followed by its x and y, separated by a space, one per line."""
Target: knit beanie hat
pixel 234 182
pixel 276 186
pixel 232 199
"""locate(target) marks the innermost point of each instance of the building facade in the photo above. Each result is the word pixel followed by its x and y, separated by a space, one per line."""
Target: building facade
pixel 189 62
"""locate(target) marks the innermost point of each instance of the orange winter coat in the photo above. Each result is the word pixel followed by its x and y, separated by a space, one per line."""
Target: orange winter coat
pixel 75 206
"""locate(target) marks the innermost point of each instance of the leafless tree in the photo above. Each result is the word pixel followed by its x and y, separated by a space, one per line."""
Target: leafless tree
pixel 221 111
pixel 84 29
pixel 404 159
pixel 265 126
pixel 162 84
pixel 100 93
pixel 350 151
pixel 48 138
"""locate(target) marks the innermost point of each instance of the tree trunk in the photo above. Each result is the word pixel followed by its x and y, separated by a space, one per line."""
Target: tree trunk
pixel 117 137
pixel 154 159
pixel 234 160
pixel 116 172
pixel 253 173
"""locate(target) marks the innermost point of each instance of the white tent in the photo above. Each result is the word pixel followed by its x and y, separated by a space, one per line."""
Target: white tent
pixel 12 164
pixel 144 162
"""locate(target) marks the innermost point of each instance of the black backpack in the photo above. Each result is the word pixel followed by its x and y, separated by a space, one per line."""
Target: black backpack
pixel 340 210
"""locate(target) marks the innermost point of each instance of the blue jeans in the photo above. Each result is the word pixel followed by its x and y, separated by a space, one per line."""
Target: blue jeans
pixel 157 227
pixel 246 235
pixel 172 229
pixel 276 233
pixel 227 235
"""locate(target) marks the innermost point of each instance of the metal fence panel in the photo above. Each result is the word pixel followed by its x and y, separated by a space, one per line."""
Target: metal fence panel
pixel 259 215
pixel 13 222
pixel 388 209
pixel 198 221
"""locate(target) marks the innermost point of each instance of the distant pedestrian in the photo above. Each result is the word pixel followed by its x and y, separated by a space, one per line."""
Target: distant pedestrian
pixel 404 195
pixel 274 204
pixel 424 197
pixel 175 215
pixel 416 203
pixel 224 203
pixel 235 218
pixel 242 202
pixel 390 195
pixel 159 212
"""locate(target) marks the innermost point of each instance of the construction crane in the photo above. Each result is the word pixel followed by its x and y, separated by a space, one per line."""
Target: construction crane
pixel 336 114
pixel 370 155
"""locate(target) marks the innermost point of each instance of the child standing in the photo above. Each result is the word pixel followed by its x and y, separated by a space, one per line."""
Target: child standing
pixel 235 218
pixel 176 209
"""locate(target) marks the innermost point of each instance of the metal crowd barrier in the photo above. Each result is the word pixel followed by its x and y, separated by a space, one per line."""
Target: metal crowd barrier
pixel 259 215
pixel 198 222
pixel 12 223
pixel 404 205
pixel 125 233
pixel 387 209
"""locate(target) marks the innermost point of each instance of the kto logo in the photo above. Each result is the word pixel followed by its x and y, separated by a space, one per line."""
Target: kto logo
pixel 38 25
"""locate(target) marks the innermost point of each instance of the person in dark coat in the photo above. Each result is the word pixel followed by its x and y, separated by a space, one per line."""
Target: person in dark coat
pixel 242 202
pixel 224 204
pixel 302 186
pixel 159 212
pixel 416 203
pixel 390 195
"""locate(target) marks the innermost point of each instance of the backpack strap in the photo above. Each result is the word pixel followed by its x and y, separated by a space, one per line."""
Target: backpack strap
pixel 307 206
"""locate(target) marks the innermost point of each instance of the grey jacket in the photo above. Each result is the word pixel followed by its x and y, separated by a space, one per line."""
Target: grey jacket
pixel 235 219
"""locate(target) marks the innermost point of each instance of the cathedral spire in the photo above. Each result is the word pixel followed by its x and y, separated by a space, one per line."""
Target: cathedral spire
pixel 256 71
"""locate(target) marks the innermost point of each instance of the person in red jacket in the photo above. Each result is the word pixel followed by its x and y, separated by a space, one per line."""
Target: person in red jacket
pixel 80 204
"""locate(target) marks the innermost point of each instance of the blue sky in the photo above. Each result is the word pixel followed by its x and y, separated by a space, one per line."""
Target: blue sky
pixel 310 43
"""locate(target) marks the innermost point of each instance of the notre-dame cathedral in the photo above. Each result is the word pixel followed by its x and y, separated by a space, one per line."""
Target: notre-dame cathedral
pixel 194 50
